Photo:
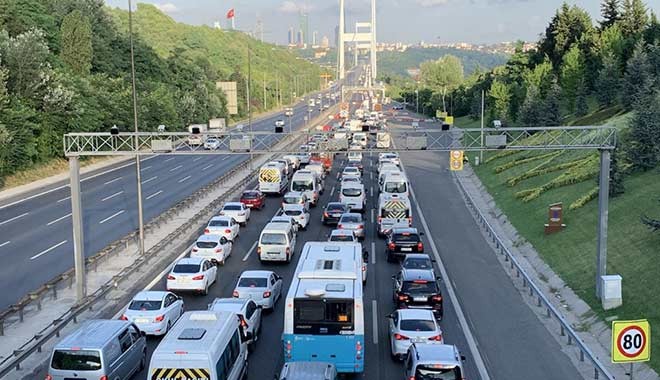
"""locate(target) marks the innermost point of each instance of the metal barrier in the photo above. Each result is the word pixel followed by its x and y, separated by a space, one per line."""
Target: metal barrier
pixel 534 291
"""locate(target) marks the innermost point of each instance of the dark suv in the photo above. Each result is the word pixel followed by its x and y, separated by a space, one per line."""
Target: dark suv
pixel 418 289
pixel 333 212
pixel 402 241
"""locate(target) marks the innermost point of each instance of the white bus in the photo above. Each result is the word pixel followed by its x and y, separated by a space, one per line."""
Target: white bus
pixel 324 314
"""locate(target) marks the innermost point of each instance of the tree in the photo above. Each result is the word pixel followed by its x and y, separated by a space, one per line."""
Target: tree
pixel 608 83
pixel 530 114
pixel 616 175
pixel 652 32
pixel 567 27
pixel 572 74
pixel 500 96
pixel 445 73
pixel 551 114
pixel 581 104
pixel 610 10
pixel 637 80
pixel 26 58
pixel 644 146
pixel 76 42
pixel 540 77
pixel 633 17
pixel 613 43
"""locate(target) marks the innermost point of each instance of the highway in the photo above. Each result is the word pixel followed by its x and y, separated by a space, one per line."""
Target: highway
pixel 36 241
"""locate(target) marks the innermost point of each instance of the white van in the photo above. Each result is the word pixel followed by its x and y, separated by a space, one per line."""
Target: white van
pixel 308 183
pixel 203 344
pixel 360 138
pixel 277 242
pixel 273 178
pixel 353 195
pixel 395 183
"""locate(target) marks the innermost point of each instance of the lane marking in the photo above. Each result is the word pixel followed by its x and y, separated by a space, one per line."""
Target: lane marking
pixel 374 319
pixel 332 191
pixel 145 168
pixel 250 251
pixel 176 168
pixel 154 194
pixel 371 191
pixel 64 199
pixel 372 215
pixel 112 180
pixel 112 216
pixel 111 196
pixel 58 219
pixel 225 157
pixel 169 159
pixel 149 180
pixel 14 218
pixel 371 176
pixel 197 159
pixel 373 252
pixel 38 255
pixel 5 243
pixel 206 167
pixel 184 179
pixel 472 343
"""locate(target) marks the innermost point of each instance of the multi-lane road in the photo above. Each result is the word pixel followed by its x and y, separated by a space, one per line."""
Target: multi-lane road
pixel 36 241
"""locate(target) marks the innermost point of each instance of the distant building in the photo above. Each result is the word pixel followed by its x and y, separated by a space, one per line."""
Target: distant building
pixel 292 39
pixel 217 25
pixel 303 20
pixel 300 39
pixel 314 38
pixel 325 42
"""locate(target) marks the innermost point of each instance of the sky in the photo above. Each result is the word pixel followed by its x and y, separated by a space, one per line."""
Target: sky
pixel 409 21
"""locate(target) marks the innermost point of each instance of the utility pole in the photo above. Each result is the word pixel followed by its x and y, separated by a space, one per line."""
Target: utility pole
pixel 483 106
pixel 265 107
pixel 603 211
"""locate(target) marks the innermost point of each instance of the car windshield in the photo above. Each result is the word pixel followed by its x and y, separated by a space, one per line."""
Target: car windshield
pixel 219 223
pixel 253 282
pixel 231 208
pixel 341 238
pixel 417 263
pixel 351 192
pixel 430 372
pixel 76 360
pixel 419 287
pixel 292 199
pixel 292 212
pixel 143 305
pixel 395 187
pixel 302 185
pixel 335 207
pixel 351 170
pixel 351 179
pixel 211 140
pixel 405 238
pixel 350 219
pixel 273 239
pixel 206 244
pixel 417 325
pixel 186 268
pixel 251 195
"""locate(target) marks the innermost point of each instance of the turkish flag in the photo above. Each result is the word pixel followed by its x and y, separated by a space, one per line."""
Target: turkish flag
pixel 230 14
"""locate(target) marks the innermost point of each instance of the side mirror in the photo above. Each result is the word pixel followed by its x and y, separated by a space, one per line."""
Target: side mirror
pixel 365 255
pixel 462 358
pixel 223 240
pixel 421 234
pixel 260 307
pixel 142 333
pixel 438 278
pixel 393 277
pixel 248 336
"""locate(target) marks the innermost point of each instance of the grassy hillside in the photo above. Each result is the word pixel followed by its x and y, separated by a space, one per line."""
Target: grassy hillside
pixel 396 63
pixel 632 247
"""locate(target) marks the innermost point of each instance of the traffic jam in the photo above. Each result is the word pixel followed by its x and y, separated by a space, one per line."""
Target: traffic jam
pixel 321 303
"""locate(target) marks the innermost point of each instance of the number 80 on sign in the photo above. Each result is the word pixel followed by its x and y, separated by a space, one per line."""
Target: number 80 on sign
pixel 631 341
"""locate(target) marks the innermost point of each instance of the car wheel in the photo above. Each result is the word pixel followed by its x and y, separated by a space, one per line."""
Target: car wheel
pixel 143 361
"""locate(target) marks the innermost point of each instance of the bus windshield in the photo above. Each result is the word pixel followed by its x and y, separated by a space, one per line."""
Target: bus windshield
pixel 302 185
pixel 322 317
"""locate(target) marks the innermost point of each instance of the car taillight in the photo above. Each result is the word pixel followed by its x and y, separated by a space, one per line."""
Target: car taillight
pixel 410 221
pixel 258 250
pixel 235 294
pixel 198 277
pixel 437 338
pixel 325 214
pixel 267 294
pixel 391 246
pixel 358 350
pixel 206 231
pixel 218 250
pixel 123 317
pixel 194 249
pixel 400 337
pixel 411 378
pixel 420 246
pixel 104 377
pixel 48 377
pixel 403 297
pixel 289 346
pixel 437 298
pixel 288 250
pixel 170 277
pixel 227 231
pixel 364 268
pixel 159 318
pixel 340 226
pixel 380 219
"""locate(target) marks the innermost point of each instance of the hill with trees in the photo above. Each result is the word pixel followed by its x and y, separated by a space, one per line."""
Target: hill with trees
pixel 65 67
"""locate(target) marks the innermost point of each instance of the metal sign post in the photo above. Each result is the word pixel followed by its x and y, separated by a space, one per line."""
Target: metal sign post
pixel 76 221
pixel 603 210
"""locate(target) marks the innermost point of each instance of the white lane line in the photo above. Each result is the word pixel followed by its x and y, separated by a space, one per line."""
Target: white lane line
pixel 149 180
pixel 371 191
pixel 225 157
pixel 145 168
pixel 371 176
pixel 58 219
pixel 184 179
pixel 374 319
pixel 112 216
pixel 5 243
pixel 111 196
pixel 38 255
pixel 111 181
pixel 332 191
pixel 176 168
pixel 155 194
pixel 14 218
pixel 472 343
pixel 372 215
pixel 247 255
pixel 373 252
pixel 197 159
pixel 169 159
pixel 64 199
pixel 206 167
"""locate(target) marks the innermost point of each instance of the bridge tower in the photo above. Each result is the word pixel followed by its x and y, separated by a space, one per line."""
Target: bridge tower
pixel 361 39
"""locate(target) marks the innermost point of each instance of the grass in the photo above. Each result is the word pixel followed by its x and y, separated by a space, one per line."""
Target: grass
pixel 633 250
pixel 41 171
pixel 467 122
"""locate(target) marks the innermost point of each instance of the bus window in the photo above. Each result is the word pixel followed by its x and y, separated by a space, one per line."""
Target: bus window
pixel 316 317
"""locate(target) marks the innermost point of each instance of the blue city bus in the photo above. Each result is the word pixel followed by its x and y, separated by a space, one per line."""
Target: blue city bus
pixel 324 312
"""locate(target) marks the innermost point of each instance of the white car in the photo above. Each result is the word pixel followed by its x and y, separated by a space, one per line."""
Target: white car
pixel 351 179
pixel 343 236
pixel 154 312
pixel 408 326
pixel 238 211
pixel 286 220
pixel 262 286
pixel 295 197
pixel 279 123
pixel 299 213
pixel 224 226
pixel 246 309
pixel 192 274
pixel 239 128
pixel 211 143
pixel 213 247
pixel 351 170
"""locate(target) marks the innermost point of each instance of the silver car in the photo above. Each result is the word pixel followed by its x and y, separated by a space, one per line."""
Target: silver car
pixel 262 286
pixel 408 326
pixel 154 312
pixel 352 221
pixel 247 309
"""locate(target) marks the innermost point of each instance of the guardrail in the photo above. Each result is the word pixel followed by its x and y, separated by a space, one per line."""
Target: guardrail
pixel 534 291
pixel 35 344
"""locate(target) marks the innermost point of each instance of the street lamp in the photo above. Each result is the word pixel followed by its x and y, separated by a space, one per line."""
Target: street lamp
pixel 417 94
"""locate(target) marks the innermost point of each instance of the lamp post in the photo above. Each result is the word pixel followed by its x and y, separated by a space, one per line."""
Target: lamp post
pixel 417 95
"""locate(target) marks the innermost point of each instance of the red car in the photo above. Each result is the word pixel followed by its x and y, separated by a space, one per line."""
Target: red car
pixel 253 199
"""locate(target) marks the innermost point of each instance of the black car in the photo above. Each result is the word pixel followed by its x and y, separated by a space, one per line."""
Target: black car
pixel 333 212
pixel 418 288
pixel 401 241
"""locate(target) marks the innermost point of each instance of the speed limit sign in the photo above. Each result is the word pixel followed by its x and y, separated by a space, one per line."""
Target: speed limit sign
pixel 631 341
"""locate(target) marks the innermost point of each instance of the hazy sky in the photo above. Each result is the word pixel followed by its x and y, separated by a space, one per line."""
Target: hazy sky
pixel 475 21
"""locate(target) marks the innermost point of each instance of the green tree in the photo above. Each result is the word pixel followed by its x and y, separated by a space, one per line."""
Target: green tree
pixel 652 32
pixel 637 81
pixel 581 103
pixel 608 84
pixel 76 42
pixel 610 10
pixel 500 97
pixel 445 73
pixel 617 186
pixel 532 108
pixel 644 147
pixel 26 58
pixel 634 17
pixel 541 77
pixel 612 42
pixel 572 74
pixel 567 27
pixel 551 110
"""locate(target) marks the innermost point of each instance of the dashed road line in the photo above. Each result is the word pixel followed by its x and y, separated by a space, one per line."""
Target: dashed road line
pixel 197 159
pixel 111 196
pixel 149 180
pixel 372 215
pixel 207 166
pixel 14 218
pixel 38 255
pixel 145 168
pixel 64 199
pixel 184 179
pixel 112 216
pixel 5 243
pixel 58 219
pixel 247 255
pixel 169 159
pixel 373 252
pixel 176 168
pixel 374 319
pixel 371 191
pixel 155 194
pixel 332 191
pixel 111 181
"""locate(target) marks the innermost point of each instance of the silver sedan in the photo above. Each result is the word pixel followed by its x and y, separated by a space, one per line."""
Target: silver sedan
pixel 408 326
pixel 352 221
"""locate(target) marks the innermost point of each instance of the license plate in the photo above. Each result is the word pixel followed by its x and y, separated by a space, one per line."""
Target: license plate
pixel 184 279
pixel 406 249
pixel 141 320
pixel 336 215
pixel 273 253
pixel 419 299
